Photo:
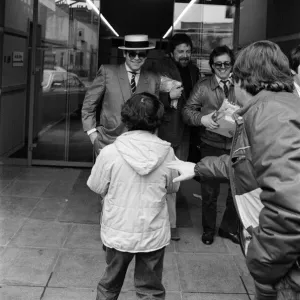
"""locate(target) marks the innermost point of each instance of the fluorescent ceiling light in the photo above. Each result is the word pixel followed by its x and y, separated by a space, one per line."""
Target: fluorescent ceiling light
pixel 94 7
pixel 179 17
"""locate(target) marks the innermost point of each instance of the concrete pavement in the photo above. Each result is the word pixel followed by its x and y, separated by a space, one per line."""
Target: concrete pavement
pixel 50 246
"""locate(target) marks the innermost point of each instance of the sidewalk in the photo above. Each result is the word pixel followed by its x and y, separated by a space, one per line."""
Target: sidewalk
pixel 50 246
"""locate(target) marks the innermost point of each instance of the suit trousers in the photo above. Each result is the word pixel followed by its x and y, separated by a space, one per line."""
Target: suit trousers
pixel 181 152
pixel 210 190
pixel 147 274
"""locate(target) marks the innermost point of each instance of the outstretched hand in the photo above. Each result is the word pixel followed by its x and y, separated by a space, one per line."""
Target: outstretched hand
pixel 185 169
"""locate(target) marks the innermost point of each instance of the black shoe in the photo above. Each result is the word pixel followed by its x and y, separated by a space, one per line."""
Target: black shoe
pixel 208 237
pixel 229 235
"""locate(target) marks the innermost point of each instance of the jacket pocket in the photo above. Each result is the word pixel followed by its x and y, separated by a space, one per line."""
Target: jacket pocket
pixel 244 177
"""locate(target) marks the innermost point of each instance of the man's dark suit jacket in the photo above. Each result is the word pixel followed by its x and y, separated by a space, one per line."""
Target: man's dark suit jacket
pixel 172 128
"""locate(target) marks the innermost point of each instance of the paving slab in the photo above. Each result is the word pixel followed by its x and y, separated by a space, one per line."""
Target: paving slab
pixel 209 273
pixel 11 206
pixel 9 226
pixel 205 296
pixel 26 188
pixel 38 233
pixel 4 183
pixel 24 266
pixel 48 173
pixel 10 172
pixel 20 293
pixel 49 209
pixel 59 188
pixel 84 236
pixel 69 294
pixel 171 247
pixel 247 279
pixel 82 209
pixel 78 268
pixel 190 241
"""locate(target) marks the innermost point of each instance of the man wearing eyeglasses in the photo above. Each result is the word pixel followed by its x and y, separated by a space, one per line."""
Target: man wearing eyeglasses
pixel 206 98
pixel 112 87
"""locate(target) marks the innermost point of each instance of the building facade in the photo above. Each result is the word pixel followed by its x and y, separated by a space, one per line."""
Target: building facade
pixel 50 51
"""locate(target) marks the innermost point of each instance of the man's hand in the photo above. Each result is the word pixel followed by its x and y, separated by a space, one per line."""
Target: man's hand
pixel 185 169
pixel 93 136
pixel 176 92
pixel 208 122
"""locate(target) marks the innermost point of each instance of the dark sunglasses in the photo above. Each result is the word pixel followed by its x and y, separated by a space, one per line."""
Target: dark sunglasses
pixel 219 64
pixel 133 54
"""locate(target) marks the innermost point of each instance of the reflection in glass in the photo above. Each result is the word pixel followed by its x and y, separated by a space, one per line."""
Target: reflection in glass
pixel 67 55
pixel 208 26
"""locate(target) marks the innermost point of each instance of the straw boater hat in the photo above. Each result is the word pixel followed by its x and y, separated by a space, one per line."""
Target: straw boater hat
pixel 136 42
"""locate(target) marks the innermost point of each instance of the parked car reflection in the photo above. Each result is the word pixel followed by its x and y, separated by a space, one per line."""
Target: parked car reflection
pixel 62 94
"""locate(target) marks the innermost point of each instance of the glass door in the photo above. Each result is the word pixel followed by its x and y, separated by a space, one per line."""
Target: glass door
pixel 209 23
pixel 66 63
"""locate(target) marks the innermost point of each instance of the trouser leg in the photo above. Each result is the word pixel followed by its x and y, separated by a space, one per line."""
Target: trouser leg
pixel 110 285
pixel 182 151
pixel 210 190
pixel 230 218
pixel 171 203
pixel 148 275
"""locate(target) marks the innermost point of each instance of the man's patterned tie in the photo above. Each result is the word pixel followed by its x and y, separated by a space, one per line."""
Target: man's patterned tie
pixel 225 87
pixel 132 83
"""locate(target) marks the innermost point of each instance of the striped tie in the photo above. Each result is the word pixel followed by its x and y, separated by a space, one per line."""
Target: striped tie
pixel 132 83
pixel 225 87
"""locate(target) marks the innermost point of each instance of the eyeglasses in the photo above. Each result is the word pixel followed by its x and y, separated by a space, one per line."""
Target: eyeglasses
pixel 219 64
pixel 133 54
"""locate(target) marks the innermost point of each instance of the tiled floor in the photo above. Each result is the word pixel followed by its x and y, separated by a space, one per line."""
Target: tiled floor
pixel 50 247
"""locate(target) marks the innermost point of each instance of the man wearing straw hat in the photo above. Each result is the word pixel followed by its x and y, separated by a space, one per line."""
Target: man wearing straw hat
pixel 112 87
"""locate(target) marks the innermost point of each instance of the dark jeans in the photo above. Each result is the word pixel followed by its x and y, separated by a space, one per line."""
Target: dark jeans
pixel 210 189
pixel 147 274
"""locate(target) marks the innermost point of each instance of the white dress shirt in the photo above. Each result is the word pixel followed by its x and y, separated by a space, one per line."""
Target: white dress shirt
pixel 137 76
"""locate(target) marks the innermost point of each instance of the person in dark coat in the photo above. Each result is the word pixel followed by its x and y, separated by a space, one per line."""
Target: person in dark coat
pixel 177 66
pixel 263 168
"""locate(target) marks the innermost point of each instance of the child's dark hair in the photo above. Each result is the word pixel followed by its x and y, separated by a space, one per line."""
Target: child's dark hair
pixel 142 112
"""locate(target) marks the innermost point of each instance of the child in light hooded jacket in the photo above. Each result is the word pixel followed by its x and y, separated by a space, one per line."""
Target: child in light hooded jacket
pixel 132 178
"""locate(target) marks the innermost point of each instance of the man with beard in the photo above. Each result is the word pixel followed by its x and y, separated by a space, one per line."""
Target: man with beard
pixel 206 98
pixel 177 66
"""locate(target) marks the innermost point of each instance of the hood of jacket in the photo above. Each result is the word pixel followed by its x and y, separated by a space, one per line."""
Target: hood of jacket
pixel 142 150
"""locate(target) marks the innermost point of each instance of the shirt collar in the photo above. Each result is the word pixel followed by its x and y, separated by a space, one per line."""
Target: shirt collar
pixel 130 71
pixel 229 79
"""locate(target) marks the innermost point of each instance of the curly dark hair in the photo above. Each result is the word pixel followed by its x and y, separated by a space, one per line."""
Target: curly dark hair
pixel 178 39
pixel 263 66
pixel 142 112
pixel 294 58
pixel 218 51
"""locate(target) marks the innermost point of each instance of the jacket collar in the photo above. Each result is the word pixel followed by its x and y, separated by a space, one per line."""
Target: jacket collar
pixel 213 82
pixel 259 97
